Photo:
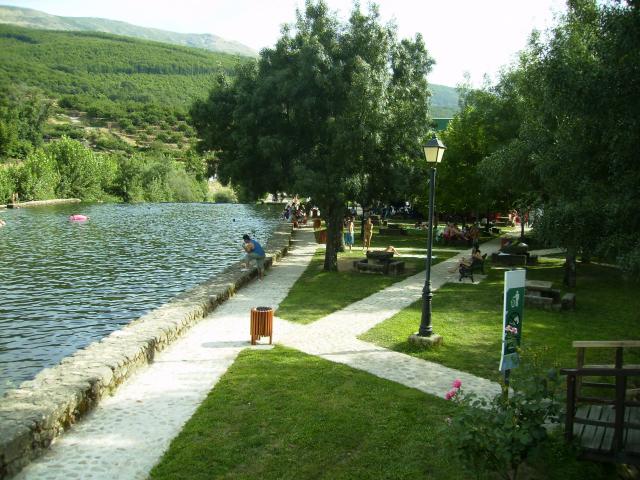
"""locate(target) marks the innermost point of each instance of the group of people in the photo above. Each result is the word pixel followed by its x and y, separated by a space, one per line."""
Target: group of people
pixel 297 213
pixel 470 233
pixel 348 227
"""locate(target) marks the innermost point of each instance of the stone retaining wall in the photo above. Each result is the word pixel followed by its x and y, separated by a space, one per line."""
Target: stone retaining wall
pixel 41 409
pixel 42 203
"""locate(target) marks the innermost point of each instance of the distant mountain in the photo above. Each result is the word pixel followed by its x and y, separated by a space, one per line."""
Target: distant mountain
pixel 26 17
pixel 444 101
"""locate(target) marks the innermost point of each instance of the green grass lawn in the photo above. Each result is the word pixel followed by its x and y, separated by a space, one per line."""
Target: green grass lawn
pixel 281 414
pixel 318 293
pixel 469 318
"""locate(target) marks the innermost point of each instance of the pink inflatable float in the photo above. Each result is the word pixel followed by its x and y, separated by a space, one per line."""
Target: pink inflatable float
pixel 78 218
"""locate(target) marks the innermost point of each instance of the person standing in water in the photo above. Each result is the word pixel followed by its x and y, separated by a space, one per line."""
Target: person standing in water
pixel 254 252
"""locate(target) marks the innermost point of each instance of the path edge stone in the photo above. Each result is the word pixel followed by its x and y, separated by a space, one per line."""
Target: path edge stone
pixel 34 414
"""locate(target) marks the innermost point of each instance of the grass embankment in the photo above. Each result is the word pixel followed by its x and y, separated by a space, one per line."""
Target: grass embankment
pixel 318 293
pixel 470 320
pixel 283 414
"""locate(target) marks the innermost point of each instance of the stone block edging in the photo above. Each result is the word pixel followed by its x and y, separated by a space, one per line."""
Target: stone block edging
pixel 41 409
pixel 42 203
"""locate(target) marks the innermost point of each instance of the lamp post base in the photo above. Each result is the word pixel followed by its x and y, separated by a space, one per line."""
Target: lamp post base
pixel 432 341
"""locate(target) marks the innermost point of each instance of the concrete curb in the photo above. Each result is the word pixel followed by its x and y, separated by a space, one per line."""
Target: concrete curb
pixel 42 203
pixel 41 409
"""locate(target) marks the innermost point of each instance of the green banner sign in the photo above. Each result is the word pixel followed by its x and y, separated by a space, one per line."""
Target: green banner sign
pixel 514 287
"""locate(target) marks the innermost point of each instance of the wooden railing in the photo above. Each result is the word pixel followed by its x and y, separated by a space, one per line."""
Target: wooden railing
pixel 610 438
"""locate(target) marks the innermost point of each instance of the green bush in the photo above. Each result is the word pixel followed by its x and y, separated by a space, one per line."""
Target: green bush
pixel 80 170
pixel 38 178
pixel 225 195
pixel 498 435
pixel 185 188
pixel 128 184
pixel 7 183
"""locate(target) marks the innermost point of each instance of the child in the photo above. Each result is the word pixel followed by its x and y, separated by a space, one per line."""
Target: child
pixel 254 252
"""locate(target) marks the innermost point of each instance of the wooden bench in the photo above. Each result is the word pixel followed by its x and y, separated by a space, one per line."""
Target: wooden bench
pixel 466 271
pixel 608 428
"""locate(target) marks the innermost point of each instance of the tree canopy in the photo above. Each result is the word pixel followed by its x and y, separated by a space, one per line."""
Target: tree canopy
pixel 335 111
pixel 561 131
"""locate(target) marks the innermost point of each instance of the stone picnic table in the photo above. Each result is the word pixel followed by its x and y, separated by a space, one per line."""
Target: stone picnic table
pixel 539 285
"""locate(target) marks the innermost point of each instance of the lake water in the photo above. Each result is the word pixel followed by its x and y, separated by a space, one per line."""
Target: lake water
pixel 64 285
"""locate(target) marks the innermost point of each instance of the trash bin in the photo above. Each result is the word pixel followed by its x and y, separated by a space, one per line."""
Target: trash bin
pixel 261 324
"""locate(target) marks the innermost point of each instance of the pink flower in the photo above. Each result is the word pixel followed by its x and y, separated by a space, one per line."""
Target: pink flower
pixel 511 329
pixel 451 393
pixel 457 383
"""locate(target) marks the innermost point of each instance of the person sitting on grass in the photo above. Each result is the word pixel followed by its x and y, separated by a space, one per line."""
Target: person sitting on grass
pixel 254 252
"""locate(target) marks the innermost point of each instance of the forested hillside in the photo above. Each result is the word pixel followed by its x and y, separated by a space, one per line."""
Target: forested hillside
pixel 106 75
pixel 26 17
pixel 444 101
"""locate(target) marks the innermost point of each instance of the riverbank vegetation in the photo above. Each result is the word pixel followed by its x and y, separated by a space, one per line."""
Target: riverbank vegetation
pixel 68 169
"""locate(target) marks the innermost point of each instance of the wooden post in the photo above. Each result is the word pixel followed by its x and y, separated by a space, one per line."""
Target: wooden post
pixel 580 362
pixel 571 407
pixel 618 430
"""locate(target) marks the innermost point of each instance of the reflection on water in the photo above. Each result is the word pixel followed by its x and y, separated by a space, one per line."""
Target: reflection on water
pixel 66 284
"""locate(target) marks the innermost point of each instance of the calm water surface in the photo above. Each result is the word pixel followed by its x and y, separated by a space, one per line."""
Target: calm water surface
pixel 64 285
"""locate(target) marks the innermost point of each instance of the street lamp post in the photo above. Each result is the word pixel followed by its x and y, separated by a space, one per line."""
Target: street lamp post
pixel 433 152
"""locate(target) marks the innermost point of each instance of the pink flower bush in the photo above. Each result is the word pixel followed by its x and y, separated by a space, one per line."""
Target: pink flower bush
pixel 451 393
pixel 457 383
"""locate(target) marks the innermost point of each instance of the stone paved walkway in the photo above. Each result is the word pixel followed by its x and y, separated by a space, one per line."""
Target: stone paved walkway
pixel 128 432
pixel 334 336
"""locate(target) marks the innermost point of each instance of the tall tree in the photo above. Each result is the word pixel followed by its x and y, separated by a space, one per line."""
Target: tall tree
pixel 331 112
pixel 575 149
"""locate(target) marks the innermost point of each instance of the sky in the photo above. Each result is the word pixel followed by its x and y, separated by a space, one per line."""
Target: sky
pixel 474 36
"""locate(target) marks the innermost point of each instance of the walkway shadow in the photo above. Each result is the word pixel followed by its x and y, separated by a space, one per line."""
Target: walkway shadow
pixel 226 344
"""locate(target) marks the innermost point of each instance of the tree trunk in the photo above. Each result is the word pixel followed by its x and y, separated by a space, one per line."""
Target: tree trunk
pixel 570 269
pixel 333 220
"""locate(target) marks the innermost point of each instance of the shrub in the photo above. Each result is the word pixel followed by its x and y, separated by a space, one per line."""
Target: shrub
pixel 79 168
pixel 225 195
pixel 498 435
pixel 37 178
pixel 185 188
pixel 7 183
